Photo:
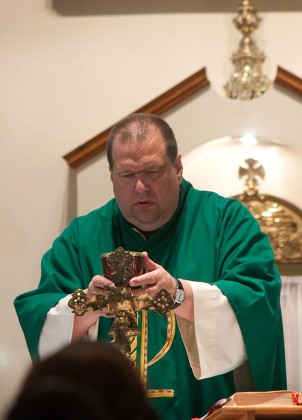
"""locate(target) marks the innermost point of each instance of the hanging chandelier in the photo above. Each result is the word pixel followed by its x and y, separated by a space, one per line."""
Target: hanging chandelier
pixel 247 81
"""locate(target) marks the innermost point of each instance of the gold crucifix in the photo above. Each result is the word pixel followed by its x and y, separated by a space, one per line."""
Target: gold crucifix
pixel 120 266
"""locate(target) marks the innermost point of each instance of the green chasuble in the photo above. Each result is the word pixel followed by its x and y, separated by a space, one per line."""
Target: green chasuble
pixel 209 239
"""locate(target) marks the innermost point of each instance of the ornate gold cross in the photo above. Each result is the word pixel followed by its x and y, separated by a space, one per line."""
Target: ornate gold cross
pixel 121 303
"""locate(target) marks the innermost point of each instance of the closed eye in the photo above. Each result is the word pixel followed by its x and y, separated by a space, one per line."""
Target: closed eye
pixel 153 172
pixel 126 175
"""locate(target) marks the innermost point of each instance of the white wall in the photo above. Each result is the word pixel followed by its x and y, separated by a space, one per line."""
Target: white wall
pixel 208 116
pixel 65 78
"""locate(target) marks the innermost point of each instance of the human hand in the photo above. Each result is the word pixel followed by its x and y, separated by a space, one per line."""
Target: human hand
pixel 155 278
pixel 97 283
pixel 95 286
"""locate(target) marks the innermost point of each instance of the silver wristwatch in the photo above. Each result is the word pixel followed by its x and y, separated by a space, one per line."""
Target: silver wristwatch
pixel 179 295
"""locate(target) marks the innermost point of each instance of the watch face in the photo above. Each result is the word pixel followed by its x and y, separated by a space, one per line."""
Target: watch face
pixel 180 295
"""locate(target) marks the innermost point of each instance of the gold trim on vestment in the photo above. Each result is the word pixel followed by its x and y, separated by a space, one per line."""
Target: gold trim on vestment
pixel 171 326
pixel 159 393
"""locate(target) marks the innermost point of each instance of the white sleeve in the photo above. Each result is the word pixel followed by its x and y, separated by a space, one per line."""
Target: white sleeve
pixel 214 342
pixel 57 329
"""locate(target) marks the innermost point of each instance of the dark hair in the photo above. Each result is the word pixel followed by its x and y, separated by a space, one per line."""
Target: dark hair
pixel 54 397
pixel 136 127
pixel 95 366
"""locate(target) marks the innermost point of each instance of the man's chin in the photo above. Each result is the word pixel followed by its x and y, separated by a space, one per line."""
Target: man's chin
pixel 146 224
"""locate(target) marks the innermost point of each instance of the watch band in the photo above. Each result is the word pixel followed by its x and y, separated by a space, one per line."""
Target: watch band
pixel 179 294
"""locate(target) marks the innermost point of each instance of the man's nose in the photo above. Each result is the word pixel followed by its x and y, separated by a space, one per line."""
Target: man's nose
pixel 141 184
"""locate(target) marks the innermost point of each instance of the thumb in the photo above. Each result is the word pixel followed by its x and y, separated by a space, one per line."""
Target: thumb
pixel 148 263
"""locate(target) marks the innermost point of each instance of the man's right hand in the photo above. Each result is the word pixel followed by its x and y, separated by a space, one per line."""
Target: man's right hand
pixel 82 323
pixel 96 284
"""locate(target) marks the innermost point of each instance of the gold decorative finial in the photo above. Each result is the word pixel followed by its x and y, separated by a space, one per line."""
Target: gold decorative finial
pixel 247 81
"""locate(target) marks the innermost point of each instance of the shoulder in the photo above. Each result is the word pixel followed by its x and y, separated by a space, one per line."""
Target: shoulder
pixel 212 204
pixel 210 198
pixel 102 212
pixel 97 218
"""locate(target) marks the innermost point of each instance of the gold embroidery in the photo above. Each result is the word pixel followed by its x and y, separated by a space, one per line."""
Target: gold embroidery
pixel 170 337
pixel 155 393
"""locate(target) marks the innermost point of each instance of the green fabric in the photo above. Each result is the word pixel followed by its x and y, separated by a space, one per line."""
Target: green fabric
pixel 209 239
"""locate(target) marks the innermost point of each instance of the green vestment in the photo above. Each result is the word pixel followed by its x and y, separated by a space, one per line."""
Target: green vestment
pixel 209 239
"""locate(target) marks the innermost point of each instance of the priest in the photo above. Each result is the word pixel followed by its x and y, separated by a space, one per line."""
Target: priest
pixel 223 332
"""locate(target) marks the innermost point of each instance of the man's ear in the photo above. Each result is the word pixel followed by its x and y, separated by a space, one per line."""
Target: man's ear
pixel 179 167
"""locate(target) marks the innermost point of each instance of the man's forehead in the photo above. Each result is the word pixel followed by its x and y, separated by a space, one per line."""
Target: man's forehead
pixel 153 141
pixel 143 155
pixel 137 132
pixel 143 151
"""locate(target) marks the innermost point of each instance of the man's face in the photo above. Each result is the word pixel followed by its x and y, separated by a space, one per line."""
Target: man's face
pixel 145 181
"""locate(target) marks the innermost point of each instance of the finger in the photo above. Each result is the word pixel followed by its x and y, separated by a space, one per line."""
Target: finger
pixel 100 281
pixel 97 283
pixel 142 280
pixel 149 264
pixel 103 313
pixel 152 290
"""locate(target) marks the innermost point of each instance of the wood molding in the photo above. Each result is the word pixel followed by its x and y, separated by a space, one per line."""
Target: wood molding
pixel 165 102
pixel 289 81
pixel 162 103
